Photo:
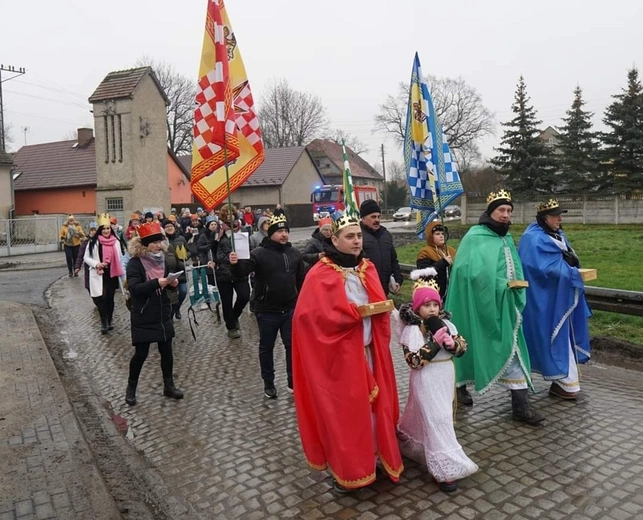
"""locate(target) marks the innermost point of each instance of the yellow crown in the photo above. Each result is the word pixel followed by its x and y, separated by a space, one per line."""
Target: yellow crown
pixel 431 283
pixel 498 195
pixel 279 219
pixel 544 206
pixel 103 220
pixel 342 222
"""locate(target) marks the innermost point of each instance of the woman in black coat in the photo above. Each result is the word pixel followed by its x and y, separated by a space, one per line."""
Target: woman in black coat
pixel 150 307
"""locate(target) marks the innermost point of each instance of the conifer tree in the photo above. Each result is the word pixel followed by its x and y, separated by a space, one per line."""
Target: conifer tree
pixel 523 158
pixel 623 144
pixel 578 160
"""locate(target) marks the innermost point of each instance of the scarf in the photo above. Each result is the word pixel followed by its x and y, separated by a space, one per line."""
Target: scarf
pixel 497 227
pixel 71 233
pixel 343 259
pixel 110 255
pixel 154 265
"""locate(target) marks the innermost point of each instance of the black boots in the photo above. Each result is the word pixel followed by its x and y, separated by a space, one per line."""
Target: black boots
pixel 103 324
pixel 130 393
pixel 109 322
pixel 169 390
pixel 522 410
pixel 464 397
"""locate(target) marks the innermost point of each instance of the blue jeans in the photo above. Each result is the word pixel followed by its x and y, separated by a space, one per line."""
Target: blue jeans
pixel 183 292
pixel 269 324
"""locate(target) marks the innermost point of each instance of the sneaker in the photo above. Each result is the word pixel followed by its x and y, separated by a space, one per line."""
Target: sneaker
pixel 269 390
pixel 234 334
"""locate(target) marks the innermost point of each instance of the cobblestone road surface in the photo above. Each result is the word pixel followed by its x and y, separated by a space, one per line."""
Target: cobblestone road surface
pixel 230 453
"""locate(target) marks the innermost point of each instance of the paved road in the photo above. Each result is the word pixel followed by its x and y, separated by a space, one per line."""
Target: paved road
pixel 226 452
pixel 28 286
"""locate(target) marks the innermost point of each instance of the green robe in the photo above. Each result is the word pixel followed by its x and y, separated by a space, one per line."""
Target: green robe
pixel 486 312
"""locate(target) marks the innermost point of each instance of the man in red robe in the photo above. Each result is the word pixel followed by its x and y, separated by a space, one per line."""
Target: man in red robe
pixel 344 382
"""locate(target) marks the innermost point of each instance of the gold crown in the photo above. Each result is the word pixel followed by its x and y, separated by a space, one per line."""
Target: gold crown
pixel 423 282
pixel 279 219
pixel 498 195
pixel 342 222
pixel 544 206
pixel 103 220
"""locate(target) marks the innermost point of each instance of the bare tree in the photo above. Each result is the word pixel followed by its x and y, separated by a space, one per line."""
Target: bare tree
pixel 458 106
pixel 480 181
pixel 8 134
pixel 395 171
pixel 289 117
pixel 181 91
pixel 351 141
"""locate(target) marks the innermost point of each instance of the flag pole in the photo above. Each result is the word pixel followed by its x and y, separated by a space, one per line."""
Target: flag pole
pixel 227 180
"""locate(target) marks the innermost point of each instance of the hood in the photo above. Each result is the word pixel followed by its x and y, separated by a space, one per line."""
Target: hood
pixel 261 220
pixel 428 232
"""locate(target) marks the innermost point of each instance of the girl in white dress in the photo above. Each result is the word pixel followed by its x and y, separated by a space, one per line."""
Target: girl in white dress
pixel 430 341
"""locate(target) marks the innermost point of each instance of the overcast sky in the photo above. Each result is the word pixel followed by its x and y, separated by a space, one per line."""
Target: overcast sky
pixel 350 53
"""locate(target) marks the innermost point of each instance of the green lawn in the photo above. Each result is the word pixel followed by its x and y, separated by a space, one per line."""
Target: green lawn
pixel 615 251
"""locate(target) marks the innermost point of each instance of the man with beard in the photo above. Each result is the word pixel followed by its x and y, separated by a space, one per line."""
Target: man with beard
pixel 279 275
pixel 345 389
pixel 486 297
pixel 556 313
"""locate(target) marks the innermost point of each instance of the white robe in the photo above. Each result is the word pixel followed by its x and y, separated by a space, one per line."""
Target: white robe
pixel 426 431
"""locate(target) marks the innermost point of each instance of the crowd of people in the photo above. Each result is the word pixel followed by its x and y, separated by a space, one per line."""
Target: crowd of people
pixel 490 313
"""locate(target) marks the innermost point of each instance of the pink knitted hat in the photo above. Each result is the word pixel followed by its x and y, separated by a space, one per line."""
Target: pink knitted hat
pixel 421 295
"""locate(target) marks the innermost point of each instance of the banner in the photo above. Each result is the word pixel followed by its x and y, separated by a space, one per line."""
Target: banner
pixel 224 116
pixel 432 173
pixel 350 202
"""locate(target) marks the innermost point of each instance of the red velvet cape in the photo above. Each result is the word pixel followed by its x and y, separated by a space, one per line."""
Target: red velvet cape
pixel 335 389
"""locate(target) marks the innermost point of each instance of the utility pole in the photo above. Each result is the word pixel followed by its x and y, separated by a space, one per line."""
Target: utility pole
pixel 16 72
pixel 384 175
pixel 25 129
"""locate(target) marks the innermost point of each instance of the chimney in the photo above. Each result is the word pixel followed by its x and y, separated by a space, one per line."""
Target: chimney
pixel 85 136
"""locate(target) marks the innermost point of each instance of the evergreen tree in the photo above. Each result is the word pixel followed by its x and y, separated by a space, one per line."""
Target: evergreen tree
pixel 578 161
pixel 623 144
pixel 523 158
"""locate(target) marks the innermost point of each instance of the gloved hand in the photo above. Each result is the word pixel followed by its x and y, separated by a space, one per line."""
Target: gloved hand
pixel 443 337
pixel 571 258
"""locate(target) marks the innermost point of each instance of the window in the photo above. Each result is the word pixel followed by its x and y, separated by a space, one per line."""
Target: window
pixel 114 204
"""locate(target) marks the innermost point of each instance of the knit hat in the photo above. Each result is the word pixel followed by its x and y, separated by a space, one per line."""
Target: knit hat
pixel 173 211
pixel 496 199
pixel 150 232
pixel 172 218
pixel 425 290
pixel 210 218
pixel 169 221
pixel 368 207
pixel 113 220
pixel 326 221
pixel 277 223
pixel 149 214
pixel 93 225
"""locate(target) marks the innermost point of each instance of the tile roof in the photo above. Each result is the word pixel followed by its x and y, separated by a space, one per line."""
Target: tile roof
pixel 55 165
pixel 123 83
pixel 275 168
pixel 359 167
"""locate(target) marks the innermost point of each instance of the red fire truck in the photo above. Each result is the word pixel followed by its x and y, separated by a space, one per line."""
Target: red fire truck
pixel 329 198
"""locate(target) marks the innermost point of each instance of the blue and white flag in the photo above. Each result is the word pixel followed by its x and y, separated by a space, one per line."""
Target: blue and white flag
pixel 432 173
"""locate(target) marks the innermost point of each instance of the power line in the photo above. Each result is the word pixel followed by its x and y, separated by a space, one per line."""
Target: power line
pixel 70 103
pixel 17 72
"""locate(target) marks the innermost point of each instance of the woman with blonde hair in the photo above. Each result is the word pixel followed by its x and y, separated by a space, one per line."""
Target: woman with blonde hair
pixel 148 283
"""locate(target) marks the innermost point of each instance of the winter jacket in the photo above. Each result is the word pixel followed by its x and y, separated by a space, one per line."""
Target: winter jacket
pixel 193 239
pixel 150 305
pixel 223 268
pixel 258 236
pixel 315 245
pixel 80 262
pixel 378 248
pixel 92 258
pixel 279 274
pixel 176 254
pixel 75 239
pixel 208 243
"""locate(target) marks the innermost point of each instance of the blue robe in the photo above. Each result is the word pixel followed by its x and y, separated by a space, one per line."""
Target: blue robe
pixel 556 312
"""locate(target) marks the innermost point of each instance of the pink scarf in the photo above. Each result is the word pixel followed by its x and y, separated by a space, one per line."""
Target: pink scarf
pixel 110 255
pixel 154 265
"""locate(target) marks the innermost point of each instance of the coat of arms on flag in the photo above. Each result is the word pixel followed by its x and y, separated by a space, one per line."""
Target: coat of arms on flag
pixel 224 116
pixel 432 172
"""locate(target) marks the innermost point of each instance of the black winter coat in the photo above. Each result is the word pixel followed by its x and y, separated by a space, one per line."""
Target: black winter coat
pixel 279 274
pixel 315 245
pixel 224 273
pixel 150 306
pixel 208 243
pixel 378 248
pixel 176 264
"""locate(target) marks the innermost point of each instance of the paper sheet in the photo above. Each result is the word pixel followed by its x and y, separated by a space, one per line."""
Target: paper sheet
pixel 242 245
